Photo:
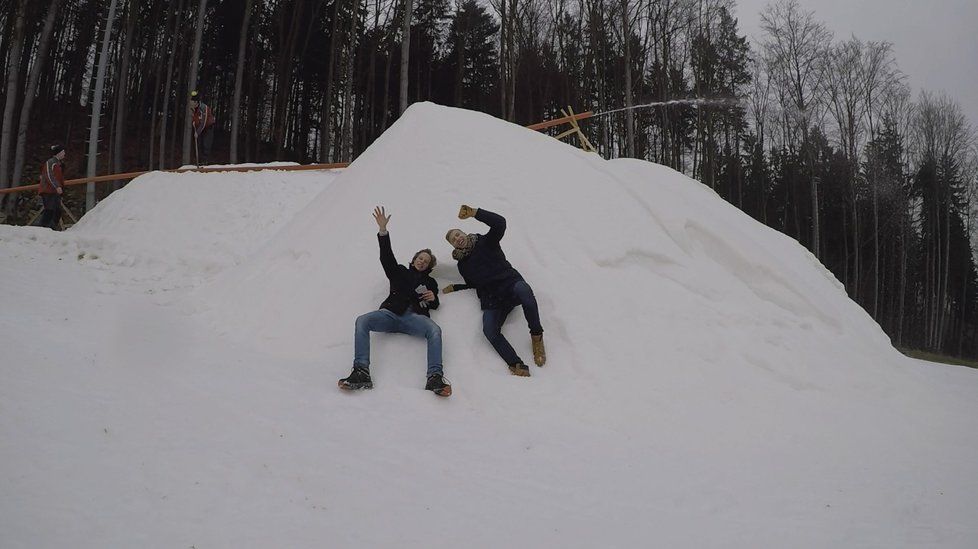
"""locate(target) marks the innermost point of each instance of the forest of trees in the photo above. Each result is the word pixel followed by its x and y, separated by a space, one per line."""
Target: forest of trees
pixel 817 137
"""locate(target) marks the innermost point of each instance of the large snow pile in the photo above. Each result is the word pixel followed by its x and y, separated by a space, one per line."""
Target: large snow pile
pixel 709 383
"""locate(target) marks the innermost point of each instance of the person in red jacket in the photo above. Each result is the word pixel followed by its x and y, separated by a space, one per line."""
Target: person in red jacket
pixel 51 187
pixel 203 121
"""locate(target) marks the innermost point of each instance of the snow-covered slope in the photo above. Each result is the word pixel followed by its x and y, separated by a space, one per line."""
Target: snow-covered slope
pixel 170 365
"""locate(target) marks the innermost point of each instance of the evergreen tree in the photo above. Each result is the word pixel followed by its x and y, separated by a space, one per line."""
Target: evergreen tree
pixel 471 64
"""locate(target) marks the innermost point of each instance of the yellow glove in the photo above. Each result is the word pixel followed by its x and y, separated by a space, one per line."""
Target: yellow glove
pixel 448 289
pixel 466 212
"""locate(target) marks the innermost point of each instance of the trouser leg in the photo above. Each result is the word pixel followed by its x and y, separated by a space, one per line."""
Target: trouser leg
pixel 524 295
pixel 492 324
pixel 206 144
pixel 422 326
pixel 52 211
pixel 375 321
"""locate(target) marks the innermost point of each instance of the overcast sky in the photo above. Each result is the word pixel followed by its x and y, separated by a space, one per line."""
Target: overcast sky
pixel 935 41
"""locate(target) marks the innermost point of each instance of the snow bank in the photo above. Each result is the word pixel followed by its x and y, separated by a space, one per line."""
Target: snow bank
pixel 635 265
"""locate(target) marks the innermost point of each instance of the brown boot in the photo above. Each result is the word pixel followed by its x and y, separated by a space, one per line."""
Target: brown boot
pixel 519 369
pixel 539 353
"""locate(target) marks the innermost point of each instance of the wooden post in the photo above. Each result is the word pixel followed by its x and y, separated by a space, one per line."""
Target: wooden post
pixel 572 119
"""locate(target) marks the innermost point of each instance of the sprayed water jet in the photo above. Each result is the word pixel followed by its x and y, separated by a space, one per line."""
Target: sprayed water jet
pixel 695 102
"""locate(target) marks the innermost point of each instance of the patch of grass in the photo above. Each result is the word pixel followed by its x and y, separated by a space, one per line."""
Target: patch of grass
pixel 934 357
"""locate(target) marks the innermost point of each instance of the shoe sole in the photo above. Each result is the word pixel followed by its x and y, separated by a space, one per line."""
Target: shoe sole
pixel 444 391
pixel 354 386
pixel 519 372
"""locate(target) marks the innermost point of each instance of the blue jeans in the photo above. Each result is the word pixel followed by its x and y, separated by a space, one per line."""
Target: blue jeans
pixel 493 320
pixel 409 323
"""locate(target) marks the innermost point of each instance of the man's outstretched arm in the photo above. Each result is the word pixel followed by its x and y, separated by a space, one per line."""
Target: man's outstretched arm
pixel 387 259
pixel 496 222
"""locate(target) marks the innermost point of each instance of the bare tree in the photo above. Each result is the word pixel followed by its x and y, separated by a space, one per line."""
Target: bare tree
pixel 879 74
pixel 898 107
pixel 326 119
pixel 122 93
pixel 346 148
pixel 40 58
pixel 795 47
pixel 843 85
pixel 93 130
pixel 192 80
pixel 941 136
pixel 405 52
pixel 238 78
pixel 13 90
pixel 168 87
pixel 626 37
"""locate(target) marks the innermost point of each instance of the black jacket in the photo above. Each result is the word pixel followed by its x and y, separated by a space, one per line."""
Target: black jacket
pixel 486 268
pixel 404 281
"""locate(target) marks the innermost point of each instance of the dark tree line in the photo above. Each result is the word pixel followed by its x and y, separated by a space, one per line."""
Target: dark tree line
pixel 818 138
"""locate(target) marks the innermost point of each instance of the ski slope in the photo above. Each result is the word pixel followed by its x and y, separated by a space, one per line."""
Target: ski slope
pixel 169 369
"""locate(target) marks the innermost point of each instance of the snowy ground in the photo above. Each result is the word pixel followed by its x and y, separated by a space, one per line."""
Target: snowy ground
pixel 168 369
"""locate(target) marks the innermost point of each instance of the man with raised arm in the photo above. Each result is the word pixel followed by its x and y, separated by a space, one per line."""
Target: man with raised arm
pixel 413 294
pixel 500 287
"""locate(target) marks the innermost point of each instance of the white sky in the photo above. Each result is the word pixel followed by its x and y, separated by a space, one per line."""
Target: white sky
pixel 935 41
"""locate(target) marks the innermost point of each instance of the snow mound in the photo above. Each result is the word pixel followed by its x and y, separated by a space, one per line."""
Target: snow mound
pixel 633 263
pixel 165 231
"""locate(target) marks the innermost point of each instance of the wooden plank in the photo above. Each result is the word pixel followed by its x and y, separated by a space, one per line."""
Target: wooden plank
pixel 133 175
pixel 565 134
pixel 559 121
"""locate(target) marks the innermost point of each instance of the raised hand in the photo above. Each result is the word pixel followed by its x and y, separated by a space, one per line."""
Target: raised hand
pixel 466 212
pixel 381 217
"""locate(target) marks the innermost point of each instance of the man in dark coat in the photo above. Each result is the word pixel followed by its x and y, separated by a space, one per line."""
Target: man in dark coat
pixel 51 187
pixel 413 294
pixel 500 287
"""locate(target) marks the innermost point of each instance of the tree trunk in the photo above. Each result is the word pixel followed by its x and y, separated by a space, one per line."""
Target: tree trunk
pixel 855 244
pixel 238 79
pixel 93 130
pixel 192 82
pixel 285 78
pixel 122 91
pixel 169 87
pixel 901 307
pixel 876 249
pixel 503 56
pixel 626 32
pixel 945 291
pixel 512 63
pixel 406 53
pixel 385 103
pixel 326 122
pixel 32 81
pixel 347 134
pixel 13 90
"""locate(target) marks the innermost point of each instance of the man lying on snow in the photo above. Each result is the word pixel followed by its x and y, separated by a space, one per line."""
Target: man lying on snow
pixel 406 311
pixel 500 287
